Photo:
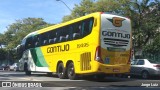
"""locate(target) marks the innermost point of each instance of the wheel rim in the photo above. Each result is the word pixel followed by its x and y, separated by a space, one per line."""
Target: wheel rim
pixel 145 75
pixel 71 71
pixel 60 71
pixel 14 69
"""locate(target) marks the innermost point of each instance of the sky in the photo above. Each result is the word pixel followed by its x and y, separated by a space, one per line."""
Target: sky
pixel 51 11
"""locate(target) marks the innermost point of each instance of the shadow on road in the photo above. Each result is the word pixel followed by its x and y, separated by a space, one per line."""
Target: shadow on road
pixel 88 78
pixel 108 79
pixel 150 78
pixel 83 81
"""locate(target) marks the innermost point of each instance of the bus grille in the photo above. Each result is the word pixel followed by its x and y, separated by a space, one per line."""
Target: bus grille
pixel 85 61
pixel 115 42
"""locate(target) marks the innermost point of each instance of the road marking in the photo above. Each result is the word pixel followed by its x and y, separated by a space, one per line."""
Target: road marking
pixel 30 79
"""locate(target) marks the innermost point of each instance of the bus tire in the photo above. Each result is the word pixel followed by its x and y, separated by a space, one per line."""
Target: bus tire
pixel 71 72
pixel 27 72
pixel 61 71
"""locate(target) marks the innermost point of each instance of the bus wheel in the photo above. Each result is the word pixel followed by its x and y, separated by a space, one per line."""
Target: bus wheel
pixel 27 72
pixel 61 71
pixel 70 72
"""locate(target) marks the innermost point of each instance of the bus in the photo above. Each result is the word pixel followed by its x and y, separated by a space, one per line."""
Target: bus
pixel 94 44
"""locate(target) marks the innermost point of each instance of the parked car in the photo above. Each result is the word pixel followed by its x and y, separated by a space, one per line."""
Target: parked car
pixel 145 68
pixel 4 67
pixel 14 67
pixel 1 68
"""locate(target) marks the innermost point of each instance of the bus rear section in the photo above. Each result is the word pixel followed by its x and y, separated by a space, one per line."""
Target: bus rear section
pixel 113 53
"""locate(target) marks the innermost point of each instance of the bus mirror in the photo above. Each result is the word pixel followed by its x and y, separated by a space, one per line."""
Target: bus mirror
pixel 95 22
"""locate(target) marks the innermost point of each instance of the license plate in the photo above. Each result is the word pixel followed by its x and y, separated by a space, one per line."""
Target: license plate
pixel 116 70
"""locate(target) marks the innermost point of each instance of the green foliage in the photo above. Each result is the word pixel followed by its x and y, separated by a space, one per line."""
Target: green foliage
pixel 90 6
pixel 144 14
pixel 18 30
pixel 85 7
pixel 154 47
pixel 1 40
pixel 145 18
pixel 2 54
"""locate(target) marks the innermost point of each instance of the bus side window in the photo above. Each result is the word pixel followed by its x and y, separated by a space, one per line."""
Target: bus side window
pixel 62 38
pixel 76 35
pixel 91 24
pixel 69 36
pixel 29 43
pixel 62 34
pixel 87 26
pixel 37 44
pixel 65 34
pixel 51 35
pixel 77 31
pixel 51 41
pixel 45 42
pixel 37 41
pixel 56 39
pixel 44 39
pixel 23 45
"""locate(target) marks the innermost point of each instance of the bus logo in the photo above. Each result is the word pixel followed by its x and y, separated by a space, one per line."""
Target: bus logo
pixel 116 21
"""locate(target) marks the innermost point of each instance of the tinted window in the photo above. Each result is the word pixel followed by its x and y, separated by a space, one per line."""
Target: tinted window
pixel 140 62
pixel 23 41
pixel 29 43
pixel 67 33
pixel 87 26
pixel 133 62
pixel 37 40
pixel 44 39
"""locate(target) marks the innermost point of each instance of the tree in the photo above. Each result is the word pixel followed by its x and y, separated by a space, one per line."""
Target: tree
pixel 85 7
pixel 18 30
pixel 2 54
pixel 154 47
pixel 2 50
pixel 145 18
pixel 1 40
pixel 144 14
pixel 90 6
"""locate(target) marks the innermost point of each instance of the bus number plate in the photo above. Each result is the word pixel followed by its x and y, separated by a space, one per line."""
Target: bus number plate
pixel 82 45
pixel 115 70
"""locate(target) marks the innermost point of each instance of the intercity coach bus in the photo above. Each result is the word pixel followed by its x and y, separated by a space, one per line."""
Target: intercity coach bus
pixel 95 44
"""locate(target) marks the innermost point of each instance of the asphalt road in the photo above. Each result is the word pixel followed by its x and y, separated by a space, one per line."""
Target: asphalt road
pixel 52 82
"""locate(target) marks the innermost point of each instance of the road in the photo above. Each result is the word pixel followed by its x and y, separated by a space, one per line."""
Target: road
pixel 84 83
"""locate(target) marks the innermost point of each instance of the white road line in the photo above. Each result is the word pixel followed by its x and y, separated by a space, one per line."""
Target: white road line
pixel 30 79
